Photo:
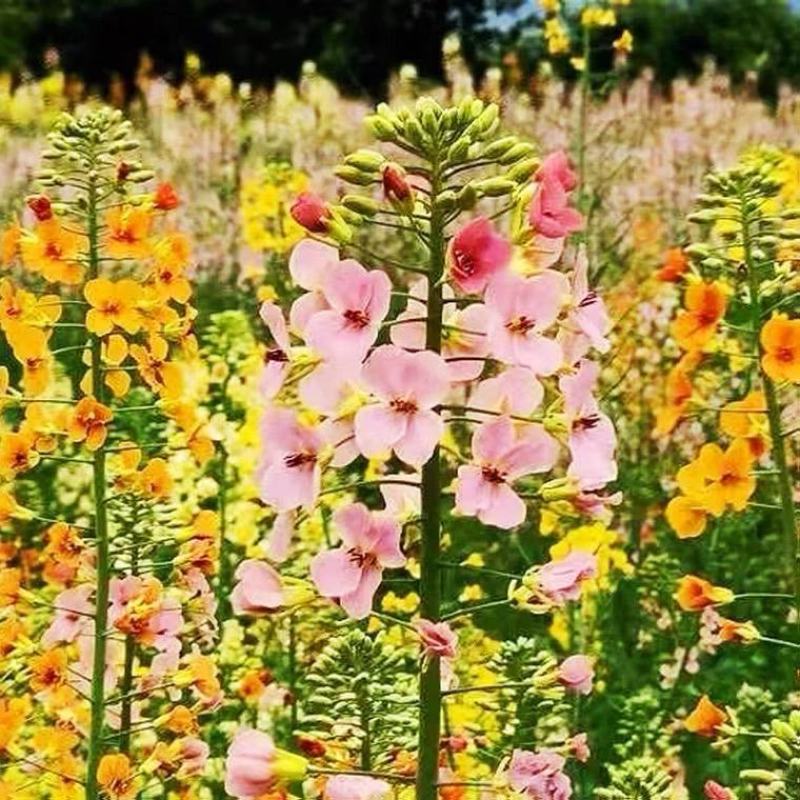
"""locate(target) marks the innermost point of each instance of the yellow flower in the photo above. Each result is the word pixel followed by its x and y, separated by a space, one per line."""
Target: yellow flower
pixel 596 17
pixel 624 42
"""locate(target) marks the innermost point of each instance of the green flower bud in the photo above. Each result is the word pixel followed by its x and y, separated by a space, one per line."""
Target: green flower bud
pixel 361 204
pixel 496 187
pixel 447 201
pixel 758 776
pixel 415 133
pixel 768 751
pixel 380 128
pixel 353 175
pixel 487 117
pixel 517 152
pixel 784 730
pixel 781 748
pixel 339 230
pixel 458 150
pixel 794 720
pixel 523 170
pixel 366 160
pixel 142 175
pixel 499 147
pixel 467 197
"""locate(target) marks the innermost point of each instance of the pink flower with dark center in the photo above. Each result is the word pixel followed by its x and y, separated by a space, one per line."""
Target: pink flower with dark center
pixel 550 213
pixel 539 775
pixel 258 590
pixel 352 573
pixel 515 391
pixel 556 166
pixel 592 440
pixel 311 212
pixel 561 580
pixel 289 472
pixel 576 673
pixel 358 301
pixel 355 787
pixel 276 357
pixel 464 341
pixel 588 315
pixel 502 455
pixel 408 386
pixel 74 615
pixel 438 639
pixel 476 253
pixel 520 311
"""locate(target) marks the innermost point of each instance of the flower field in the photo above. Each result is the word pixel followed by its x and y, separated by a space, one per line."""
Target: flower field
pixel 444 448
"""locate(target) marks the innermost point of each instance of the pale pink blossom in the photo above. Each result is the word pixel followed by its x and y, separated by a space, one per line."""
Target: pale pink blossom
pixel 401 500
pixel 276 358
pixel 520 311
pixel 258 588
pixel 550 213
pixel 515 391
pixel 352 573
pixel 279 542
pixel 464 342
pixel 476 253
pixel 248 774
pixel 407 386
pixel 540 776
pixel 358 301
pixel 438 639
pixel 74 615
pixel 194 757
pixel 561 580
pixel 575 673
pixel 502 454
pixel 308 265
pixel 289 473
pixel 355 787
pixel 588 314
pixel 579 748
pixel 556 166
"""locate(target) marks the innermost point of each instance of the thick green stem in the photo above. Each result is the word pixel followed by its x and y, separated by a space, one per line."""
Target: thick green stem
pixel 430 693
pixel 103 566
pixel 125 715
pixel 783 476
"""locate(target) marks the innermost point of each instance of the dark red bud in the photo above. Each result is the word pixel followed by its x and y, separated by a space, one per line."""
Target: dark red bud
pixel 41 207
pixel 395 184
pixel 310 212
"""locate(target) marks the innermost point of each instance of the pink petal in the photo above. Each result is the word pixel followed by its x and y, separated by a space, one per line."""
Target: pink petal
pixel 309 263
pixel 358 603
pixel 335 573
pixel 424 430
pixel 378 429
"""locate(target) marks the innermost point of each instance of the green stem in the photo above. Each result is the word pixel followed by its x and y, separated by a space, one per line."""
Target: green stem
pixel 785 491
pixel 430 692
pixel 125 716
pixel 103 566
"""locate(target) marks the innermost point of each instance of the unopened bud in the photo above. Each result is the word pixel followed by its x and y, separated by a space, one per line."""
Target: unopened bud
pixel 353 175
pixel 495 187
pixel 365 206
pixel 366 160
pixel 395 184
pixel 517 152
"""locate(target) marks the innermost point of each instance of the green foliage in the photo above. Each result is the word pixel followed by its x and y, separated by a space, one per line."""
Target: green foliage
pixel 640 778
pixel 361 693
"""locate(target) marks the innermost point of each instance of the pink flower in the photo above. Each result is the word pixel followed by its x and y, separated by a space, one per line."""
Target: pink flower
pixel 401 500
pixel 289 472
pixel 194 755
pixel 358 301
pixel 576 673
pixel 248 773
pixel 310 212
pixel 276 359
pixel 556 166
pixel 355 787
pixel 520 310
pixel 476 253
pixel 438 639
pixel 308 265
pixel 592 440
pixel 408 386
pixel 502 455
pixel 74 614
pixel 259 589
pixel 550 213
pixel 352 573
pixel 514 391
pixel 588 315
pixel 579 747
pixel 561 580
pixel 715 791
pixel 280 538
pixel 464 343
pixel 539 775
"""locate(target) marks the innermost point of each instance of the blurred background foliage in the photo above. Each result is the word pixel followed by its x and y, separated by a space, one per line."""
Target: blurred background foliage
pixel 358 42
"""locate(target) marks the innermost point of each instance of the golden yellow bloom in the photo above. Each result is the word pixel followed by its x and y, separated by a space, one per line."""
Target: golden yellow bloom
pixel 53 251
pixel 88 423
pixel 624 42
pixel 116 778
pixel 128 230
pixel 113 304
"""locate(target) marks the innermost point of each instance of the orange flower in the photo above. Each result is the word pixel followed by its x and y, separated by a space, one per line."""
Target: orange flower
pixel 128 232
pixel 49 670
pixel 113 304
pixel 686 517
pixel 695 594
pixel 53 251
pixel 10 584
pixel 62 553
pixel 88 423
pixel 11 509
pixel 717 479
pixel 17 454
pixel 780 341
pixel 179 720
pixel 154 480
pixel 673 265
pixel 13 713
pixel 678 394
pixel 730 630
pixel 11 631
pixel 116 778
pixel 165 198
pixel 113 352
pixel 705 719
pixel 705 304
pixel 162 376
pixel 747 419
pixel 200 672
pixel 9 244
pixel 30 348
pixel 171 256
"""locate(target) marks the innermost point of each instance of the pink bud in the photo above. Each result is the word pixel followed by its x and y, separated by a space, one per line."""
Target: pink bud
pixel 395 184
pixel 576 673
pixel 715 791
pixel 310 212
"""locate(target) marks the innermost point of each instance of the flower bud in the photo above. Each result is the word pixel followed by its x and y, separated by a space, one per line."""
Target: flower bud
pixel 365 160
pixel 361 204
pixel 495 187
pixel 768 751
pixel 380 128
pixel 311 212
pixel 395 185
pixel 41 206
pixel 467 197
pixel 459 150
pixel 500 147
pixel 523 170
pixel 517 152
pixel 758 776
pixel 715 791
